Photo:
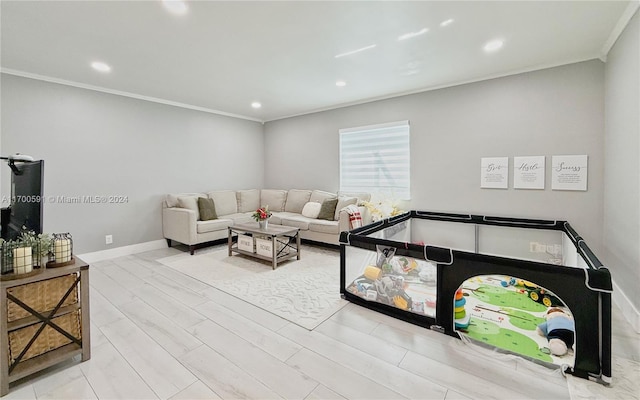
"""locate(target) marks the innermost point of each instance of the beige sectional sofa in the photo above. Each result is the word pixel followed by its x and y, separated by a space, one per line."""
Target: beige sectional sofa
pixel 181 220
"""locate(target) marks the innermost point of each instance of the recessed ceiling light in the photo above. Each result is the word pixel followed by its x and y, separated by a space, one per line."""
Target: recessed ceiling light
pixel 413 34
pixel 255 104
pixel 100 66
pixel 348 53
pixel 341 83
pixel 178 7
pixel 446 22
pixel 493 45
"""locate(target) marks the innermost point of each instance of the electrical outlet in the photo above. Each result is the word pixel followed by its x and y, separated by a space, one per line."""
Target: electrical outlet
pixel 108 239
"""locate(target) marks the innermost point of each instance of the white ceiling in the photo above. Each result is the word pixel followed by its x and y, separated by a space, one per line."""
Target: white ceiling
pixel 222 56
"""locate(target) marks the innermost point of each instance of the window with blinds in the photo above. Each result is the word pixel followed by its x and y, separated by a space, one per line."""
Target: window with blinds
pixel 375 159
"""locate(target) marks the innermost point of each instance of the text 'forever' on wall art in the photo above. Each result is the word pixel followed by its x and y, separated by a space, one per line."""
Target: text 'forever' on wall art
pixel 569 173
pixel 494 172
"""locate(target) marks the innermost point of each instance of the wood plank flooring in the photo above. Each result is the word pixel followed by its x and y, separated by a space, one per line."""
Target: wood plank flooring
pixel 159 334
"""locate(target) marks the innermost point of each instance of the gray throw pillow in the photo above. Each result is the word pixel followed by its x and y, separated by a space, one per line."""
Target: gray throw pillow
pixel 328 209
pixel 207 209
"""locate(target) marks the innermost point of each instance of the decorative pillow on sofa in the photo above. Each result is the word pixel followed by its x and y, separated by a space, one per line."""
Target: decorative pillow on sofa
pixel 328 209
pixel 311 209
pixel 207 209
pixel 342 203
pixel 190 203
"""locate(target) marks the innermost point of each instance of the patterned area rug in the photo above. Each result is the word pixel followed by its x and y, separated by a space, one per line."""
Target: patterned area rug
pixel 305 292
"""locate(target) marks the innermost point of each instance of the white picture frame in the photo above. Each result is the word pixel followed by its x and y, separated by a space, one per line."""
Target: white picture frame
pixel 529 172
pixel 569 172
pixel 494 172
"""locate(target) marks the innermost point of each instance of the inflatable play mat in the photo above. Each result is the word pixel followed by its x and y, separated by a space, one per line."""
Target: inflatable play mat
pixel 532 288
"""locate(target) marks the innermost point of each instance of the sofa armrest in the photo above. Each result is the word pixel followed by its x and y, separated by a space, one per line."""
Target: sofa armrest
pixel 179 224
pixel 344 219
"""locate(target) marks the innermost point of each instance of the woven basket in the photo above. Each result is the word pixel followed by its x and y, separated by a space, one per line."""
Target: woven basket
pixel 49 339
pixel 42 296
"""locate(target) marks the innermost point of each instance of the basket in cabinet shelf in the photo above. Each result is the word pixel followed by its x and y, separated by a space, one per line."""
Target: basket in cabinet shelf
pixel 49 339
pixel 43 297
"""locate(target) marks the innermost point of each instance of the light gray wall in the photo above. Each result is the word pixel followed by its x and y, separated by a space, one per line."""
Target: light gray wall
pixel 622 162
pixel 95 143
pixel 557 111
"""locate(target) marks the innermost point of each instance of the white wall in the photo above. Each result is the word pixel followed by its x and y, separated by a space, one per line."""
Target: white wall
pixel 101 144
pixel 556 111
pixel 622 162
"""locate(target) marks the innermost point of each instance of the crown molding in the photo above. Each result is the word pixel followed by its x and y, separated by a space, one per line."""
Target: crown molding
pixel 30 75
pixel 626 16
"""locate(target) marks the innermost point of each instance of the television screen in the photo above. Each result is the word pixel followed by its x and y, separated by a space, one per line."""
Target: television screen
pixel 27 189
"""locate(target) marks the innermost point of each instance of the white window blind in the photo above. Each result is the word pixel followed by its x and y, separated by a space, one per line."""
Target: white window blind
pixel 375 159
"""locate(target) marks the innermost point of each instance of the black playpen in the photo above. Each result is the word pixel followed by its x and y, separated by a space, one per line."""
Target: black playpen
pixel 483 277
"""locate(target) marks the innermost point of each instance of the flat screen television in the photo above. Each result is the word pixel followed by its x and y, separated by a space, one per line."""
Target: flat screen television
pixel 27 188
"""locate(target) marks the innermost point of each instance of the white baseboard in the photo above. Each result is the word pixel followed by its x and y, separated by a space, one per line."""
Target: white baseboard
pixel 123 251
pixel 630 312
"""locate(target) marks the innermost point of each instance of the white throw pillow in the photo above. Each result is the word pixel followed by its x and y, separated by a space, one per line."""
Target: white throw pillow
pixel 311 209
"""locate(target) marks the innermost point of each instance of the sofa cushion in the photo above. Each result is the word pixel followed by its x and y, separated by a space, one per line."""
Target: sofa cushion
pixel 328 209
pixel 241 218
pixel 248 200
pixel 324 226
pixel 342 203
pixel 273 198
pixel 171 200
pixel 213 225
pixel 319 196
pixel 311 210
pixel 297 221
pixel 225 201
pixel 276 217
pixel 296 199
pixel 207 209
pixel 190 203
pixel 361 196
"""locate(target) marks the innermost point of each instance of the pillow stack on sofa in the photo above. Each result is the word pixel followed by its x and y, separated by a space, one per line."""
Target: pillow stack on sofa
pixel 193 218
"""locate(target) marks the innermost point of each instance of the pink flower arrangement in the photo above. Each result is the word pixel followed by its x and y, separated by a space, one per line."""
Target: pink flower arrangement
pixel 261 213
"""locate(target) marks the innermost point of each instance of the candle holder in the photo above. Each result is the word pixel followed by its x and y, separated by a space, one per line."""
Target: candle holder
pixel 18 259
pixel 61 250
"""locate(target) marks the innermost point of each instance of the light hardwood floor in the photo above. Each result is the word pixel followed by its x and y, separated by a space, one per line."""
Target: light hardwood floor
pixel 159 334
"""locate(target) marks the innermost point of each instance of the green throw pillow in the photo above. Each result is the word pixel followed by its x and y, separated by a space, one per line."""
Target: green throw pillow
pixel 207 209
pixel 328 209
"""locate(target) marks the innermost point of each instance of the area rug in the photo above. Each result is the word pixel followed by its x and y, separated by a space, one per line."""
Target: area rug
pixel 305 292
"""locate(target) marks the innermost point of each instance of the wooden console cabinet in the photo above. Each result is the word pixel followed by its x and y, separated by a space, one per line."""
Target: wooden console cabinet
pixel 44 320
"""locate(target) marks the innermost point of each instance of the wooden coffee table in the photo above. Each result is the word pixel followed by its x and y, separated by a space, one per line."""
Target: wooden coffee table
pixel 279 235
